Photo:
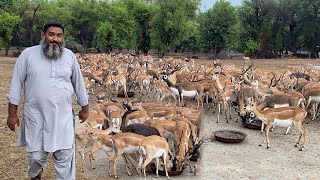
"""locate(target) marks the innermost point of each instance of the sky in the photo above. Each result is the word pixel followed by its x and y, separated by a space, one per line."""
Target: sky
pixel 207 4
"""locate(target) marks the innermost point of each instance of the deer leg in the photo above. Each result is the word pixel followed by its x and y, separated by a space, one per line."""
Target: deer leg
pixel 127 164
pixel 113 161
pixel 288 129
pixel 267 135
pixel 264 137
pixel 302 133
pixel 219 112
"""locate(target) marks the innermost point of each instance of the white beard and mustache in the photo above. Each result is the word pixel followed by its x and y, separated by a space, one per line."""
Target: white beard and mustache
pixel 50 51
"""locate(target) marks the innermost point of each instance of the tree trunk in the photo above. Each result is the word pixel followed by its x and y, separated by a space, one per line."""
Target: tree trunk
pixel 7 50
pixel 31 23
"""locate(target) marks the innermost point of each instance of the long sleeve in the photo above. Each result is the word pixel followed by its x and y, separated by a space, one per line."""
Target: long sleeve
pixel 18 79
pixel 78 84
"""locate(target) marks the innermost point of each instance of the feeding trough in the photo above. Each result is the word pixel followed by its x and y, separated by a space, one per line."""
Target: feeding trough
pixel 171 172
pixel 229 136
pixel 254 124
pixel 130 94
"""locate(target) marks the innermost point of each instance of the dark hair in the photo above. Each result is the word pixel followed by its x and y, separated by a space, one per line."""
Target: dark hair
pixel 52 24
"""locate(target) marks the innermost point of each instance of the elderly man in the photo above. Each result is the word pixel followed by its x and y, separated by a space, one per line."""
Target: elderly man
pixel 49 74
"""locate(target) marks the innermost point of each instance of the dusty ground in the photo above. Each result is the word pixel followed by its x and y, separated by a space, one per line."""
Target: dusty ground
pixel 245 160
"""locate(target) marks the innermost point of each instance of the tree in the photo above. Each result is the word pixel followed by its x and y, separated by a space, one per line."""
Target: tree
pixel 292 26
pixel 141 14
pixel 103 37
pixel 309 16
pixel 8 23
pixel 216 27
pixel 169 22
pixel 123 25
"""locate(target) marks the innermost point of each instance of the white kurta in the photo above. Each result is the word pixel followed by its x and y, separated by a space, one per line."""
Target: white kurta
pixel 49 85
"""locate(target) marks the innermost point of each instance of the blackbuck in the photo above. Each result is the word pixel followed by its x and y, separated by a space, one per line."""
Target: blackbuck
pixel 123 143
pixel 189 89
pixel 138 116
pixel 313 98
pixel 162 91
pixel 84 138
pixel 279 100
pixel 284 116
pixel 118 80
pixel 182 144
pixel 96 118
pixel 154 147
pixel 243 93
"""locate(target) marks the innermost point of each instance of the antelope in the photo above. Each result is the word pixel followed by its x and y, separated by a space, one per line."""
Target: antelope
pixel 96 118
pixel 123 143
pixel 85 138
pixel 245 91
pixel 154 147
pixel 117 80
pixel 181 141
pixel 166 128
pixel 139 116
pixel 278 100
pixel 313 96
pixel 163 91
pixel 190 89
pixel 115 119
pixel 283 116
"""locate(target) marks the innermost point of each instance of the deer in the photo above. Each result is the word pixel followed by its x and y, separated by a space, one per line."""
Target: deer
pixel 313 97
pixel 153 147
pixel 96 118
pixel 181 141
pixel 189 89
pixel 138 116
pixel 284 116
pixel 279 100
pixel 123 143
pixel 85 138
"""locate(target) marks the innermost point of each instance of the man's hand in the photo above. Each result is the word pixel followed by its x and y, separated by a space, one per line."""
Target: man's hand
pixel 13 118
pixel 12 121
pixel 84 113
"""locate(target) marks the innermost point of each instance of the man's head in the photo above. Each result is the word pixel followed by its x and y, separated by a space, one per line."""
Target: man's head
pixel 52 40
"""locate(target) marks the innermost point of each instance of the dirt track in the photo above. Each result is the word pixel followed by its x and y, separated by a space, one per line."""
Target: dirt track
pixel 245 160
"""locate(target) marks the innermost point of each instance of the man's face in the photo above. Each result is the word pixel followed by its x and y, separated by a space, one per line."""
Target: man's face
pixel 52 42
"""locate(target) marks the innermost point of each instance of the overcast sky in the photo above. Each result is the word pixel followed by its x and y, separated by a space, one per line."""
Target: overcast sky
pixel 207 4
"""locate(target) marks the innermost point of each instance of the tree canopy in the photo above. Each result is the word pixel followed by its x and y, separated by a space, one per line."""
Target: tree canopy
pixel 260 28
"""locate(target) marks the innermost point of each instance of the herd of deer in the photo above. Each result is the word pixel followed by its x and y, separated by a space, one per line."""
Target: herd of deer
pixel 157 124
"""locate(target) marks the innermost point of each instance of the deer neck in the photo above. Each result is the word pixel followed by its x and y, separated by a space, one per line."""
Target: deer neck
pixel 259 113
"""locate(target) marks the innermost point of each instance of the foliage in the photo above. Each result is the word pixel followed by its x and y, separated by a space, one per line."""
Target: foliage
pixel 103 36
pixel 170 19
pixel 216 27
pixel 274 25
pixel 7 24
pixel 252 47
pixel 142 18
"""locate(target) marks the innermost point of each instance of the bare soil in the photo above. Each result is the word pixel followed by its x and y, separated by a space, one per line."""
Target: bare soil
pixel 245 160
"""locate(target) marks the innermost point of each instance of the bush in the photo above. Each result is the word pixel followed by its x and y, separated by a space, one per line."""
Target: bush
pixel 252 47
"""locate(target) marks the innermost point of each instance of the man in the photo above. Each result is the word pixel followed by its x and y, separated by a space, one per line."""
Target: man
pixel 49 75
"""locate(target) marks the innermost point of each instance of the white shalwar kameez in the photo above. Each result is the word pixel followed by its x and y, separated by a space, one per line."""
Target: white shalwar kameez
pixel 48 123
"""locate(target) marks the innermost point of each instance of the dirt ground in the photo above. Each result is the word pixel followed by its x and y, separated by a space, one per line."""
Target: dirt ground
pixel 218 160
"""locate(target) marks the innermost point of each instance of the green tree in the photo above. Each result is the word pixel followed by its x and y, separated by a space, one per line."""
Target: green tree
pixel 252 47
pixel 309 16
pixel 216 27
pixel 103 37
pixel 141 14
pixel 122 24
pixel 8 23
pixel 170 23
pixel 84 20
